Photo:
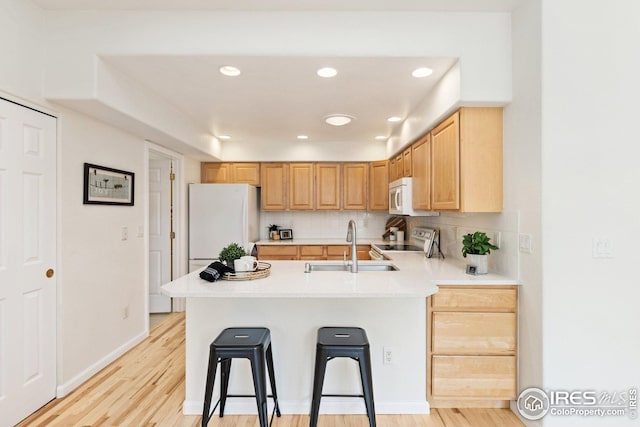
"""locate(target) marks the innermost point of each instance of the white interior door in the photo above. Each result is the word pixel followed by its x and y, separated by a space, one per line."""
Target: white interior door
pixel 27 258
pixel 159 233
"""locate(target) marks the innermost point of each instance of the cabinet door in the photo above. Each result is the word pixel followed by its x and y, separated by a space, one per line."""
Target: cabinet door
pixel 312 252
pixel 399 166
pixel 379 186
pixel 274 185
pixel 421 160
pixel 328 185
pixel 363 252
pixel 245 173
pixel 392 170
pixel 338 252
pixel 215 173
pixel 406 162
pixel 355 186
pixel 301 186
pixel 445 165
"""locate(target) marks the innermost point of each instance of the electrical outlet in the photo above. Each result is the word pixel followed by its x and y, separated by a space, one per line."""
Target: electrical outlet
pixel 387 355
pixel 125 312
pixel 125 233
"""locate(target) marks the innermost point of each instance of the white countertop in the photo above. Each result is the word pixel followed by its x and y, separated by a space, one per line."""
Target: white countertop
pixel 417 277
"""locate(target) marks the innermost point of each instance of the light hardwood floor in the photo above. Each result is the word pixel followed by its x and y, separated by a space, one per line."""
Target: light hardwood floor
pixel 145 388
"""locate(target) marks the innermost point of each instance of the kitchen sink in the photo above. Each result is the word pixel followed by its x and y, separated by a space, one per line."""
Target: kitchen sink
pixel 309 267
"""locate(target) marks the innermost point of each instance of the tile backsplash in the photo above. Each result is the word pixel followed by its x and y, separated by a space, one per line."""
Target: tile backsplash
pixel 502 228
pixel 330 224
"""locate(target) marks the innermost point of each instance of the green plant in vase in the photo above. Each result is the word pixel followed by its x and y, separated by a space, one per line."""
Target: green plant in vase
pixel 231 253
pixel 476 247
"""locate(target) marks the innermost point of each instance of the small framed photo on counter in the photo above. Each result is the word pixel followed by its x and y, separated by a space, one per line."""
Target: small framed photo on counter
pixel 286 234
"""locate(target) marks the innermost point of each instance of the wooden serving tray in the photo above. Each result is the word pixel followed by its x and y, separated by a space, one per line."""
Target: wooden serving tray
pixel 263 270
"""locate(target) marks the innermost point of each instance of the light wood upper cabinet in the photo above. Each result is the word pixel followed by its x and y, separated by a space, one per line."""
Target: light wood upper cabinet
pixel 301 186
pixel 467 161
pixel 215 173
pixel 406 161
pixel 230 173
pixel 399 166
pixel 245 173
pixel 328 186
pixel 421 166
pixel 274 186
pixel 379 186
pixel 393 170
pixel 355 185
pixel 445 165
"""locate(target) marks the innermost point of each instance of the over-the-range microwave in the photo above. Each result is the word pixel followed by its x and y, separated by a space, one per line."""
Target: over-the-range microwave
pixel 400 199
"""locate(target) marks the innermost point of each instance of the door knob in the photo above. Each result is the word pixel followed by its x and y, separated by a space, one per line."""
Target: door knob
pixel 50 273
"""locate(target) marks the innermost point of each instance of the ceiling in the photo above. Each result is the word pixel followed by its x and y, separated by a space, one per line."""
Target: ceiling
pixel 277 98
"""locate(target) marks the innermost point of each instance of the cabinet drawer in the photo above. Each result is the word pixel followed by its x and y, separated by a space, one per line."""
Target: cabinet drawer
pixel 473 333
pixel 475 299
pixel 473 377
pixel 312 250
pixel 287 252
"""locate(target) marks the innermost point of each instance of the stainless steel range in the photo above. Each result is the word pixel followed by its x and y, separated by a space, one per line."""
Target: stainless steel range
pixel 421 241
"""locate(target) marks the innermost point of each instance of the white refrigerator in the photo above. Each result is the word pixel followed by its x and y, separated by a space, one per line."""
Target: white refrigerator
pixel 220 214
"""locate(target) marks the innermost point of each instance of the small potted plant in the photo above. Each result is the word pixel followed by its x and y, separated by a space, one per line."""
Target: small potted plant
pixel 231 253
pixel 476 247
pixel 273 232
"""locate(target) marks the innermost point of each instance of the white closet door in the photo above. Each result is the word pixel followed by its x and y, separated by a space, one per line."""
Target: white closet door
pixel 27 261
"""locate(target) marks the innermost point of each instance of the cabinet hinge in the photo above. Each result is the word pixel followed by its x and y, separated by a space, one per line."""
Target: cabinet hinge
pixel 172 176
pixel 172 235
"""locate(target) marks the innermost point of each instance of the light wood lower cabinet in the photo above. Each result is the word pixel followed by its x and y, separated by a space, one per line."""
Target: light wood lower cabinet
pixel 311 252
pixel 472 346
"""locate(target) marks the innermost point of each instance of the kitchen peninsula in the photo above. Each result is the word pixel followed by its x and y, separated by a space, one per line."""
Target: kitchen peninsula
pixel 293 305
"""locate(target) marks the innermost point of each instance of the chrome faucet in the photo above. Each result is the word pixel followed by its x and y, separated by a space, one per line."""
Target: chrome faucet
pixel 351 237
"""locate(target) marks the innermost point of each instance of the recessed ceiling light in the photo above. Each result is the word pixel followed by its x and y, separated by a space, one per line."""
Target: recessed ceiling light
pixel 224 137
pixel 394 119
pixel 327 72
pixel 422 72
pixel 302 137
pixel 381 137
pixel 338 119
pixel 229 70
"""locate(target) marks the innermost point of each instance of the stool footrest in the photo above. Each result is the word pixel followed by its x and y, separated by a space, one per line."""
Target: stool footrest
pixel 343 395
pixel 246 395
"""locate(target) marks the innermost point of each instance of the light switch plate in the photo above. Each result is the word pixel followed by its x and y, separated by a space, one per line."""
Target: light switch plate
pixel 602 247
pixel 525 243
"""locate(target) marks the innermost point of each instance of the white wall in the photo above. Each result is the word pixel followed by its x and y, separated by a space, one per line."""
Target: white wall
pixel 522 189
pixel 590 150
pixel 21 62
pixel 101 274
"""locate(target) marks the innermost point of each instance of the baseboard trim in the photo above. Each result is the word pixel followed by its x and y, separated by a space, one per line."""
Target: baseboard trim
pixel 328 406
pixel 66 388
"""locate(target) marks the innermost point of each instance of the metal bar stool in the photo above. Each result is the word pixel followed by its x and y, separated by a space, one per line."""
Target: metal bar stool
pixel 248 343
pixel 342 342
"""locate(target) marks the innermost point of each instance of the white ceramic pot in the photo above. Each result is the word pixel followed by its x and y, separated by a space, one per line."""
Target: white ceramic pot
pixel 481 262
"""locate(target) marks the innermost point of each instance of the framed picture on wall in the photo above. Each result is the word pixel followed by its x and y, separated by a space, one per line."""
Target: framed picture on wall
pixel 107 186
